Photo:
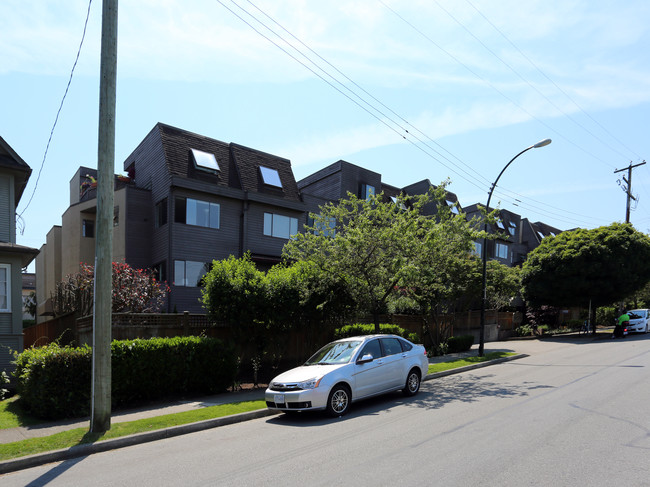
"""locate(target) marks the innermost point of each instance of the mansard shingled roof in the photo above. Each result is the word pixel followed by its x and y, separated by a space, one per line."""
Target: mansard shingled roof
pixel 248 162
pixel 239 165
pixel 177 144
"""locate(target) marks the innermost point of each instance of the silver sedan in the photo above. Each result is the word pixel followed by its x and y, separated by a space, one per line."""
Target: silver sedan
pixel 348 370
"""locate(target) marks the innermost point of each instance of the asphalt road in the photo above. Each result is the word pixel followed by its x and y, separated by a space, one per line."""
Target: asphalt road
pixel 574 414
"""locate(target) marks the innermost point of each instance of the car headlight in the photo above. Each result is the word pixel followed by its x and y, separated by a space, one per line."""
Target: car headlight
pixel 309 383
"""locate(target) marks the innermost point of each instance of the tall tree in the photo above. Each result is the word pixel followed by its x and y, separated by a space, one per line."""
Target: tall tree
pixel 603 265
pixel 375 247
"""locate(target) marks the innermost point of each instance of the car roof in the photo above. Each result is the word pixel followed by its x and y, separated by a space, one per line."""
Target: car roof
pixel 368 337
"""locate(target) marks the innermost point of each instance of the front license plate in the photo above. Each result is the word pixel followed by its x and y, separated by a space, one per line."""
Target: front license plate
pixel 278 398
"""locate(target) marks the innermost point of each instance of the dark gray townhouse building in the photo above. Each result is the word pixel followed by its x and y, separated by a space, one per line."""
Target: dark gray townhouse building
pixel 188 199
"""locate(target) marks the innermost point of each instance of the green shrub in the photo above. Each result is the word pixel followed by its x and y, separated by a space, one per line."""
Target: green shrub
pixel 54 382
pixel 460 343
pixel 524 331
pixel 369 329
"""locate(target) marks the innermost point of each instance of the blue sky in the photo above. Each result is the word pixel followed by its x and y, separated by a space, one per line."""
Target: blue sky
pixel 415 90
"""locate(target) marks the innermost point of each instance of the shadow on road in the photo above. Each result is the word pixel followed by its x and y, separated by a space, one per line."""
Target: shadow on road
pixel 433 395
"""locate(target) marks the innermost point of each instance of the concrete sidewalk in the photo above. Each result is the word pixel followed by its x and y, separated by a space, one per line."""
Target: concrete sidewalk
pixel 522 348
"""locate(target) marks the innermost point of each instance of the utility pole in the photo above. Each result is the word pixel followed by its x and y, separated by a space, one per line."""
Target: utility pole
pixel 628 188
pixel 100 420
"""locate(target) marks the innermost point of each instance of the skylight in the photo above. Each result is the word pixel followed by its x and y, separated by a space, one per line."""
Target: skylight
pixel 270 176
pixel 452 206
pixel 205 161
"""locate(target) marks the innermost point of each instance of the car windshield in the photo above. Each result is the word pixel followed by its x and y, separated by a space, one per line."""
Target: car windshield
pixel 334 353
pixel 636 314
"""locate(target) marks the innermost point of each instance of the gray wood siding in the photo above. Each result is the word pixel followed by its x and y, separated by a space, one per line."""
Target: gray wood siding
pixel 186 299
pixel 150 166
pixel 5 324
pixel 139 228
pixel 258 243
pixel 328 187
pixel 6 213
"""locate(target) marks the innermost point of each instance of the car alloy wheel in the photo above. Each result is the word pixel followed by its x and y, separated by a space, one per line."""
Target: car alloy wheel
pixel 412 383
pixel 339 401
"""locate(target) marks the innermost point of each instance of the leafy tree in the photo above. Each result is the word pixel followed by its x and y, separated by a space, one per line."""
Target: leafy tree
pixel 134 291
pixel 233 291
pixel 381 249
pixel 603 265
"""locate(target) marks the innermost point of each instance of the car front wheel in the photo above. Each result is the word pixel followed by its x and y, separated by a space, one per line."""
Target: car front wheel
pixel 412 385
pixel 338 402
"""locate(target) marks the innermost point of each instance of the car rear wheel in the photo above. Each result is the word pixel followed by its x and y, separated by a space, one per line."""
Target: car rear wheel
pixel 338 402
pixel 412 385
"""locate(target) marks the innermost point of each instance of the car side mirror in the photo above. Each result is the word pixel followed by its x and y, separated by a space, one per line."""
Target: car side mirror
pixel 365 359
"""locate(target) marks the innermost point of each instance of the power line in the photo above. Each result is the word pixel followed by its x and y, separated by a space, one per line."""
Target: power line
pixel 558 88
pixel 65 94
pixel 364 103
pixel 404 134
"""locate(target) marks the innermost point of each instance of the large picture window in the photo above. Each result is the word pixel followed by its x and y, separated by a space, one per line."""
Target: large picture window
pixel 5 288
pixel 279 225
pixel 197 212
pixel 501 250
pixel 188 273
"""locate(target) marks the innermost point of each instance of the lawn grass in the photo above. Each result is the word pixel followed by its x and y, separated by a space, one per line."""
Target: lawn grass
pixel 12 415
pixel 454 364
pixel 79 436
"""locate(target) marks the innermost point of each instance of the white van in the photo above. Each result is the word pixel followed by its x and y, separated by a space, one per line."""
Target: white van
pixel 639 320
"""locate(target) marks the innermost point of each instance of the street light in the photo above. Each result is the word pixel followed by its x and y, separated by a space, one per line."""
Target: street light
pixel 541 143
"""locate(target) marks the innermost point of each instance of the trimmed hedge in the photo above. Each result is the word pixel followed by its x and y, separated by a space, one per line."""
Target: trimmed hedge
pixel 365 329
pixel 460 343
pixel 54 382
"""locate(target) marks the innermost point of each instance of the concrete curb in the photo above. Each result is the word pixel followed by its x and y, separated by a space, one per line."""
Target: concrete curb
pixel 479 365
pixel 102 446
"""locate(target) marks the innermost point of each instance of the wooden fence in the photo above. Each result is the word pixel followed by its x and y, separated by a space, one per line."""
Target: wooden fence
pixel 293 346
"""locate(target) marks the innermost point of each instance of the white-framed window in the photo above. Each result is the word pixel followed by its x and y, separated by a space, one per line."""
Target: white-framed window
pixel 501 250
pixel 188 273
pixel 5 288
pixel 279 225
pixel 197 212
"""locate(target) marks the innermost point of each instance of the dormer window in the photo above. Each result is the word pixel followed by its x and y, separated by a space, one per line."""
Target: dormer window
pixel 205 161
pixel 397 202
pixel 500 225
pixel 453 207
pixel 270 177
pixel 512 228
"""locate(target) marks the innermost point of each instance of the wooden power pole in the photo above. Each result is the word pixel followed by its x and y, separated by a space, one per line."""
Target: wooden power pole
pixel 628 187
pixel 100 420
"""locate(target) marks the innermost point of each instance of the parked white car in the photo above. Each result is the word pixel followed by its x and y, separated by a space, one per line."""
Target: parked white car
pixel 639 320
pixel 348 370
